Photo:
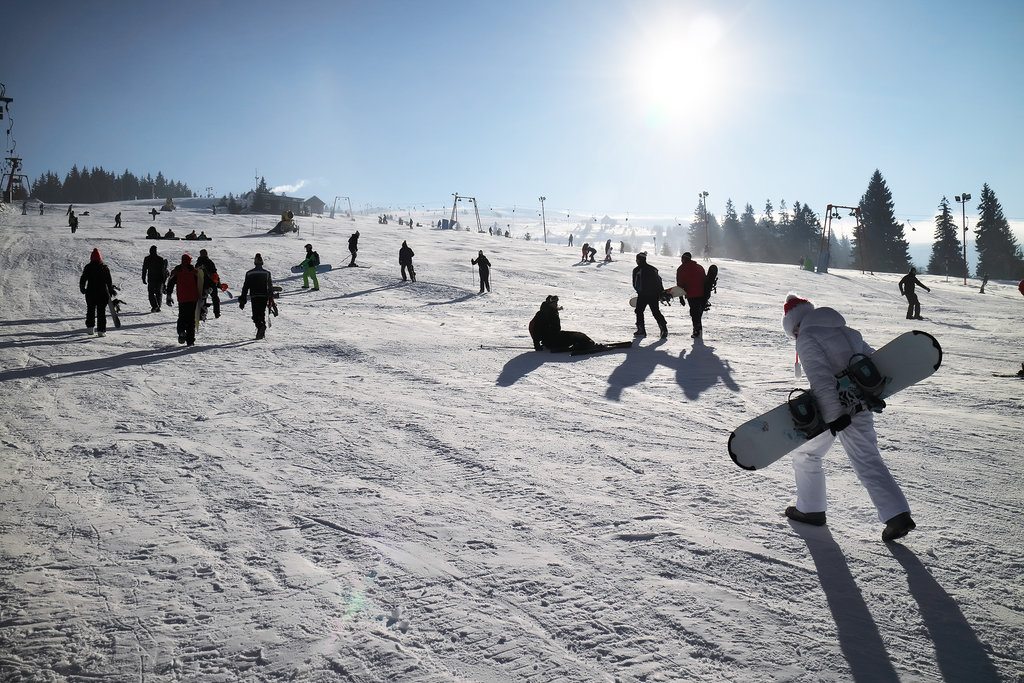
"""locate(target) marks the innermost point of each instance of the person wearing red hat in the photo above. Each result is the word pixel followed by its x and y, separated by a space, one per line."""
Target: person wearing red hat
pixel 186 279
pixel 824 344
pixel 98 289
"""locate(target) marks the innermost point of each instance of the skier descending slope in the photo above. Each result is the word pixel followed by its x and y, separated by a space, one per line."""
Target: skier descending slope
pixel 825 344
pixel 98 288
pixel 259 284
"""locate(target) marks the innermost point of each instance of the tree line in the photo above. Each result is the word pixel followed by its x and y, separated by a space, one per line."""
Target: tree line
pixel 97 185
pixel 878 243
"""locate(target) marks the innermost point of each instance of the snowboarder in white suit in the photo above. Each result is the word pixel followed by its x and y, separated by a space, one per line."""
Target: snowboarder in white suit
pixel 824 345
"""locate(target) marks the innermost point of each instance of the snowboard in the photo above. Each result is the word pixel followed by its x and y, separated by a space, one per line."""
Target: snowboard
pixel 673 292
pixel 710 285
pixel 114 306
pixel 906 360
pixel 598 348
pixel 322 268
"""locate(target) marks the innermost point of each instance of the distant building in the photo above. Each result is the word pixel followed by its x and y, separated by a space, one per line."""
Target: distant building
pixel 274 203
pixel 313 205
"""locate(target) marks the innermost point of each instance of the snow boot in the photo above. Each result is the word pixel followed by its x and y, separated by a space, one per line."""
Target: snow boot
pixel 814 518
pixel 89 330
pixel 261 332
pixel 898 527
pixel 181 339
pixel 640 333
pixel 664 333
pixel 101 333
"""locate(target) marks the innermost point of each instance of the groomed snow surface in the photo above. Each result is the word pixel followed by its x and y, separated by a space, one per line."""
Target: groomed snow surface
pixel 394 486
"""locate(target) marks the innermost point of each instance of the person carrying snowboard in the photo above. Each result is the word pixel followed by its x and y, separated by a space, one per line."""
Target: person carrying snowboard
pixel 484 266
pixel 546 330
pixel 154 275
pixel 690 276
pixel 405 255
pixel 98 289
pixel 260 285
pixel 309 265
pixel 353 247
pixel 907 285
pixel 211 280
pixel 186 279
pixel 824 344
pixel 650 290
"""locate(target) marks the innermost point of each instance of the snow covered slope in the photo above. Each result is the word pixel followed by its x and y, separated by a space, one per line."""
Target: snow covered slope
pixel 368 494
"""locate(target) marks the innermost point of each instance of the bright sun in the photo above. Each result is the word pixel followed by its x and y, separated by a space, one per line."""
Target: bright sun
pixel 676 73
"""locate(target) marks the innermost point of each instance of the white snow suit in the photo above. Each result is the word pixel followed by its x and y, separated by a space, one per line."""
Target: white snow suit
pixel 825 344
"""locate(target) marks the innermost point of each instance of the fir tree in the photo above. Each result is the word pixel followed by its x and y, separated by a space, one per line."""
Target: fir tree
pixel 947 256
pixel 882 240
pixel 999 255
pixel 748 233
pixel 731 238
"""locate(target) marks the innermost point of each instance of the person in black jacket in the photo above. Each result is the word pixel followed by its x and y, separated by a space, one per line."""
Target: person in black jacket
pixel 98 289
pixel 546 330
pixel 907 285
pixel 154 275
pixel 484 265
pixel 117 220
pixel 353 247
pixel 308 265
pixel 211 280
pixel 259 285
pixel 405 255
pixel 649 291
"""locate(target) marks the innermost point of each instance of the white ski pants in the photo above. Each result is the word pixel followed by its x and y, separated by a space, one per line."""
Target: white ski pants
pixel 861 445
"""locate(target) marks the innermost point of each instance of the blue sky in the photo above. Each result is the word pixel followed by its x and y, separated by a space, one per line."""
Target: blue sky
pixel 602 106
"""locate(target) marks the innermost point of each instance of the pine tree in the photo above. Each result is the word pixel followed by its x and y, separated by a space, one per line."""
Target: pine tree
pixel 764 246
pixel 731 238
pixel 947 257
pixel 882 239
pixel 999 255
pixel 748 233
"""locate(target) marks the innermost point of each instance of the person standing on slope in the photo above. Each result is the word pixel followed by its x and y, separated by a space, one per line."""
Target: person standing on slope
pixel 154 275
pixel 690 276
pixel 608 251
pixel 98 289
pixel 309 265
pixel 405 255
pixel 484 266
pixel 907 285
pixel 211 280
pixel 117 220
pixel 650 290
pixel 353 247
pixel 186 279
pixel 258 284
pixel 825 344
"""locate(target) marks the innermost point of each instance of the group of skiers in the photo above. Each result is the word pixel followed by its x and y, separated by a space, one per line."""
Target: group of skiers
pixel 650 290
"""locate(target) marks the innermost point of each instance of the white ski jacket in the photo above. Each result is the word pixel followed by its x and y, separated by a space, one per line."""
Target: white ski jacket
pixel 825 344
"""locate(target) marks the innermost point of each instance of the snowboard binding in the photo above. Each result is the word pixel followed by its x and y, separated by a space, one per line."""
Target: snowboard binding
pixel 806 416
pixel 868 380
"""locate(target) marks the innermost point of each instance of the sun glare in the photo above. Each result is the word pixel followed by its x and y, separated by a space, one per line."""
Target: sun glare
pixel 675 73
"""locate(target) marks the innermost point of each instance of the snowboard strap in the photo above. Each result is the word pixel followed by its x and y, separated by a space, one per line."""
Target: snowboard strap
pixel 806 416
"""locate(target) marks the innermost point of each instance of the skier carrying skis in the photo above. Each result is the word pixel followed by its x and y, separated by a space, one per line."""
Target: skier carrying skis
pixel 353 247
pixel 154 274
pixel 405 255
pixel 546 330
pixel 907 285
pixel 98 289
pixel 650 290
pixel 186 279
pixel 690 276
pixel 309 265
pixel 484 266
pixel 825 344
pixel 260 285
pixel 211 280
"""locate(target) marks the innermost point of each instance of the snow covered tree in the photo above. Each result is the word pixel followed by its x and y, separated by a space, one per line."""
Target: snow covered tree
pixel 999 255
pixel 947 251
pixel 882 240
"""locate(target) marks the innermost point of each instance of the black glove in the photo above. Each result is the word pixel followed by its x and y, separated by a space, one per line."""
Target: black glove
pixel 666 299
pixel 241 302
pixel 839 424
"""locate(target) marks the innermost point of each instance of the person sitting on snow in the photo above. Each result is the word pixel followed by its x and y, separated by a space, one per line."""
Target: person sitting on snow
pixel 546 330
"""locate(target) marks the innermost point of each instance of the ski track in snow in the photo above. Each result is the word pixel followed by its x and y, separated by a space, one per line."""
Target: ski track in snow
pixel 368 495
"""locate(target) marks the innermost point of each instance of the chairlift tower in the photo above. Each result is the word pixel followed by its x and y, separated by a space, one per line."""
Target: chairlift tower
pixel 825 244
pixel 14 183
pixel 476 209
